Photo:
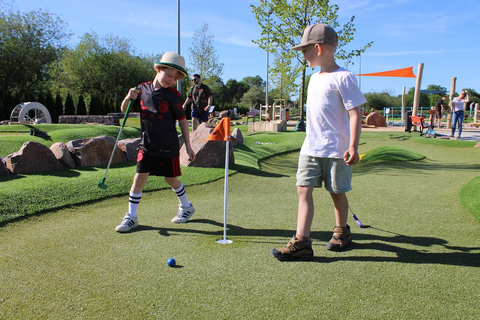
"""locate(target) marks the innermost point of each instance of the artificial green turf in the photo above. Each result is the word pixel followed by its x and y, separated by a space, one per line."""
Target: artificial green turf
pixel 392 153
pixel 33 193
pixel 419 258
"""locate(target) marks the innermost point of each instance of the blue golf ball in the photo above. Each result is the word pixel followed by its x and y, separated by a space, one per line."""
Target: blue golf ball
pixel 171 262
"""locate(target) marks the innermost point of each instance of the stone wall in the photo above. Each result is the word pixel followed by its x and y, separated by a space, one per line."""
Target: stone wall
pixel 113 119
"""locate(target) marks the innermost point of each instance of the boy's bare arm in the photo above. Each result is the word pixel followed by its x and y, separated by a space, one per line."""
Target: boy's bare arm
pixel 186 138
pixel 351 156
pixel 131 95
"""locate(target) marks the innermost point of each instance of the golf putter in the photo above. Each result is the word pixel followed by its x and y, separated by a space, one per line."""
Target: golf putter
pixel 355 218
pixel 102 184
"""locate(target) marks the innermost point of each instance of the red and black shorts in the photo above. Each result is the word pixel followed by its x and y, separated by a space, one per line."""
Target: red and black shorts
pixel 158 166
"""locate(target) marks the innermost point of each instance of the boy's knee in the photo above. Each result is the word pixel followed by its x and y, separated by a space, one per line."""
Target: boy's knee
pixel 304 190
pixel 173 182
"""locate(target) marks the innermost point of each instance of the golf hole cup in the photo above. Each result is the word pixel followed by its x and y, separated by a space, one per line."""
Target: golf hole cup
pixel 171 262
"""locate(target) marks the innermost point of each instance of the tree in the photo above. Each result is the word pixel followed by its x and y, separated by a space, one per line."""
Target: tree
pixel 254 81
pixel 378 101
pixel 105 66
pixel 69 105
pixel 283 22
pixel 218 91
pixel 283 75
pixel 81 106
pixel 203 55
pixel 30 44
pixel 235 90
pixel 58 108
pixel 434 97
pixel 253 97
pixel 409 96
pixel 95 107
pixel 50 105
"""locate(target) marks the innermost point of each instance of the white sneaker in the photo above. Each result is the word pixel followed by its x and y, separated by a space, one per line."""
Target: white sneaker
pixel 127 224
pixel 183 214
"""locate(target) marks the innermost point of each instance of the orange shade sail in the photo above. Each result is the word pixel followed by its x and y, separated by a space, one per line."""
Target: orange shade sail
pixel 400 73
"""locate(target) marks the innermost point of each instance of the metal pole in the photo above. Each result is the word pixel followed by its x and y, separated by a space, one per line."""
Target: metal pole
pixel 270 116
pixel 179 82
pixel 266 85
pixel 360 71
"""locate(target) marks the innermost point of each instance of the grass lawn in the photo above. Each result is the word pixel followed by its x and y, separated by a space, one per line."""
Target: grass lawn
pixel 419 258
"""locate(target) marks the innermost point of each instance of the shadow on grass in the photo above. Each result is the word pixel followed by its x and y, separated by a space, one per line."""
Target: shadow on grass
pixel 424 167
pixel 258 172
pixel 377 241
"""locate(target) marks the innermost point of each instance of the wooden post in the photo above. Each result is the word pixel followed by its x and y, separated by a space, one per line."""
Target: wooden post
pixel 416 99
pixel 452 93
pixel 403 105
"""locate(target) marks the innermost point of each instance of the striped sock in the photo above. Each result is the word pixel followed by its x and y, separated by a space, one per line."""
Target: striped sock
pixel 182 196
pixel 133 202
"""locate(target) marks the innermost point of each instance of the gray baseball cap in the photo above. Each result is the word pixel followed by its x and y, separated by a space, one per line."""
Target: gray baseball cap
pixel 317 33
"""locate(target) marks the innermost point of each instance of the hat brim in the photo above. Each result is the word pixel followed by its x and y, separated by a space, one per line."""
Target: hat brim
pixel 172 66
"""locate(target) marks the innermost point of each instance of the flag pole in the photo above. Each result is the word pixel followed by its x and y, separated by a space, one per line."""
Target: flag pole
pixel 225 192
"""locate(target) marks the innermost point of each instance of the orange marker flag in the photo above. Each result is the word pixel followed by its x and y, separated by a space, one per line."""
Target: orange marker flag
pixel 221 131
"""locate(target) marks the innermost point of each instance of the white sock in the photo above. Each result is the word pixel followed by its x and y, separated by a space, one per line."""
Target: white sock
pixel 133 202
pixel 182 196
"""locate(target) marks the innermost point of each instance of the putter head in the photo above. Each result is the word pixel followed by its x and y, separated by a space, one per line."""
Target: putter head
pixel 102 185
pixel 357 220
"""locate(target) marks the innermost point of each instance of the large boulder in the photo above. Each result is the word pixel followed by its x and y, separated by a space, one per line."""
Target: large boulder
pixel 237 137
pixel 61 152
pixel 3 169
pixel 374 119
pixel 128 147
pixel 94 152
pixel 207 153
pixel 33 157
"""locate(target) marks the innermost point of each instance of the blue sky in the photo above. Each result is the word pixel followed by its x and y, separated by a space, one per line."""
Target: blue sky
pixel 443 35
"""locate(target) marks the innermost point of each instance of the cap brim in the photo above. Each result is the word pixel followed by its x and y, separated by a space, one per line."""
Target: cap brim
pixel 299 47
pixel 173 66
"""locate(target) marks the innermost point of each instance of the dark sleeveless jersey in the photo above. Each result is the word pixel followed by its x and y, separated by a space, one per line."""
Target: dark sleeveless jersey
pixel 160 110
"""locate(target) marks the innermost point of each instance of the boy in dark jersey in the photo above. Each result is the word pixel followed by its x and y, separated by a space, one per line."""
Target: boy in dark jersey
pixel 158 151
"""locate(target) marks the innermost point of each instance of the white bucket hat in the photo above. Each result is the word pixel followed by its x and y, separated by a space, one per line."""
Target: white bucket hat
pixel 174 61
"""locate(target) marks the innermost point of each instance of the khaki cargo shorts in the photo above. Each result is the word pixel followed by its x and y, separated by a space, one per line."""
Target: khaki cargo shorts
pixel 334 173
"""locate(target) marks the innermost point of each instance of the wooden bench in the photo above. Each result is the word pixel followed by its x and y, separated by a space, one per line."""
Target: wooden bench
pixel 417 121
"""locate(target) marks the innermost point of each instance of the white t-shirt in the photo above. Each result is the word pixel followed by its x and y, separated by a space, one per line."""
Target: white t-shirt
pixel 330 96
pixel 458 105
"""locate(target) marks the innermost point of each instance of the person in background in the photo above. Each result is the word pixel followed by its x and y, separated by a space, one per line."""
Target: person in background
pixel 439 107
pixel 201 96
pixel 458 112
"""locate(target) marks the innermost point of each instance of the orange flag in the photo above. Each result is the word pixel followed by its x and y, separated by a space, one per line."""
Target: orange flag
pixel 401 73
pixel 221 131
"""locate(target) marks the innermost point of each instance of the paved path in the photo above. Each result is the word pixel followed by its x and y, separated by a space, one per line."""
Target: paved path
pixel 468 133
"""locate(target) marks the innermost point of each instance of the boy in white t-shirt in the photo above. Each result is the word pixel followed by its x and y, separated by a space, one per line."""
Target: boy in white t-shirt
pixel 331 143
